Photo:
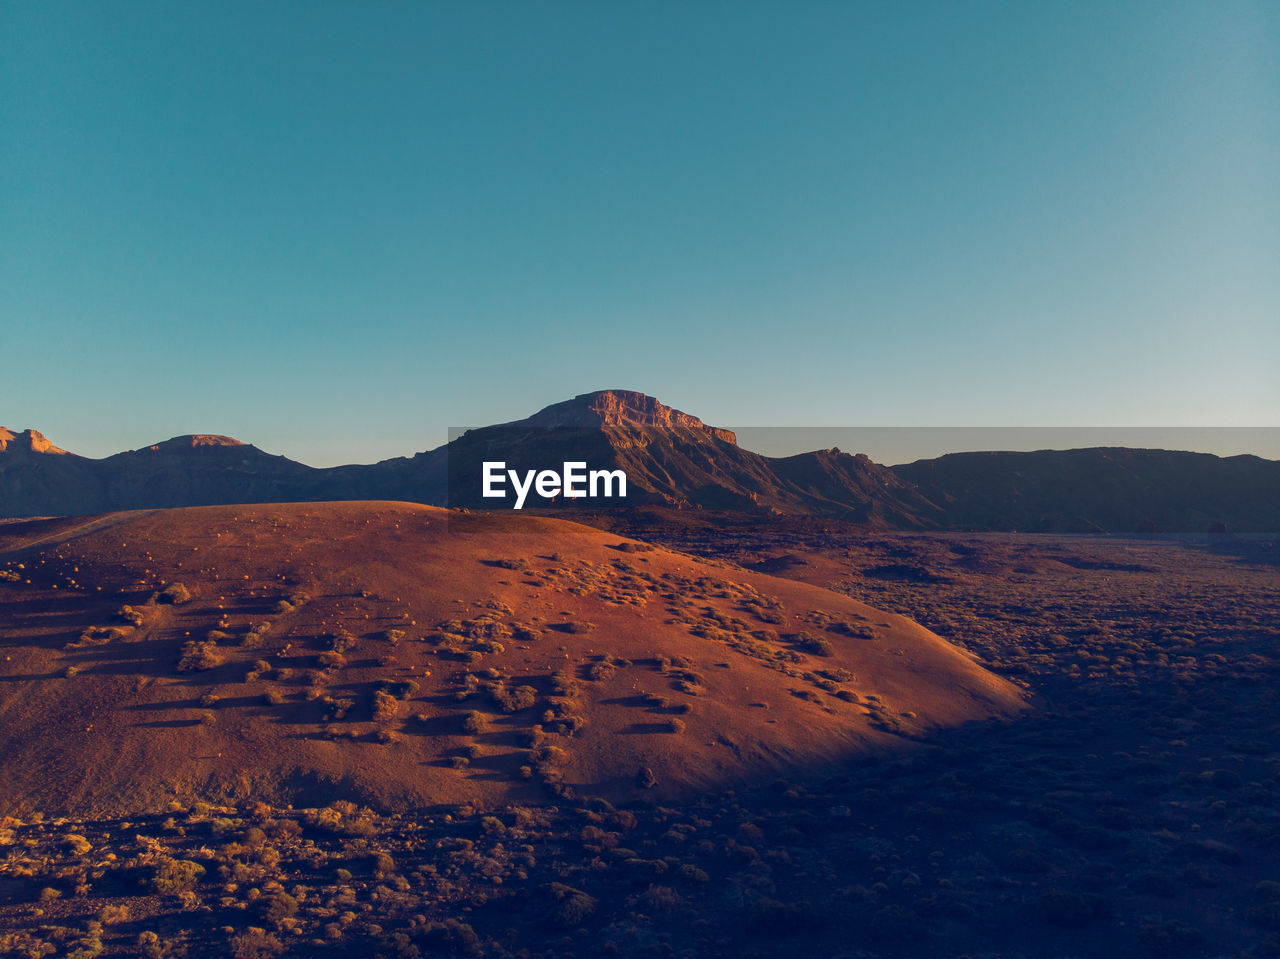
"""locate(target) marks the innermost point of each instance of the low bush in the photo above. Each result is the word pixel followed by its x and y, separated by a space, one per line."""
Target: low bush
pixel 512 700
pixel 256 944
pixel 385 706
pixel 200 656
pixel 817 645
pixel 173 877
pixel 567 908
pixel 174 594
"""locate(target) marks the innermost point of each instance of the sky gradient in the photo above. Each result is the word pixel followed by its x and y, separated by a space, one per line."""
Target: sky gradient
pixel 334 230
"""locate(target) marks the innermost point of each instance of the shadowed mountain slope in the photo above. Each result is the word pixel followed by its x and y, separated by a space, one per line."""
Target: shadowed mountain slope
pixel 38 479
pixel 674 460
pixel 669 457
pixel 1113 490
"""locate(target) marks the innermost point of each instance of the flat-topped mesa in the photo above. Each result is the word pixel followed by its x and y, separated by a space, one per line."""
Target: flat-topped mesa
pixel 621 409
pixel 193 440
pixel 28 441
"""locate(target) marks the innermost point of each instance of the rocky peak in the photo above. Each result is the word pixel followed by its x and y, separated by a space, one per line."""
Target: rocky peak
pixel 194 440
pixel 621 409
pixel 28 441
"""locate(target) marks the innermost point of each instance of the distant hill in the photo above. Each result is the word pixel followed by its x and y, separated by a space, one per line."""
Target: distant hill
pixel 1112 490
pixel 674 460
pixel 38 479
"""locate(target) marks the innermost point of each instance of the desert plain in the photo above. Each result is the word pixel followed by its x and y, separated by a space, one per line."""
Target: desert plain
pixel 381 728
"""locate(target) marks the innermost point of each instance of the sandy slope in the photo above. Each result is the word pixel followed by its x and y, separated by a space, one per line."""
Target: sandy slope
pixel 717 675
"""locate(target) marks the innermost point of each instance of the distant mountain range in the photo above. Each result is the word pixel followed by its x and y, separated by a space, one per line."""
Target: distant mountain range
pixel 674 460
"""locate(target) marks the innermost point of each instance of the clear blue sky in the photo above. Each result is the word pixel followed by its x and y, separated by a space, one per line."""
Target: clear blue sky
pixel 334 230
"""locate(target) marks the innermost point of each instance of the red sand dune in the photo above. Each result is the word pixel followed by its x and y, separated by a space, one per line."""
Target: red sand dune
pixel 415 655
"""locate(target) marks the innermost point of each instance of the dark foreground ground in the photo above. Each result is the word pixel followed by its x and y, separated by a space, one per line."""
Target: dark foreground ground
pixel 1135 812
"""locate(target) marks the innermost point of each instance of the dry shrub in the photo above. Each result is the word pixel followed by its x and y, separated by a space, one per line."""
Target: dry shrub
pixel 512 700
pixel 385 706
pixel 200 656
pixel 567 908
pixel 175 594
